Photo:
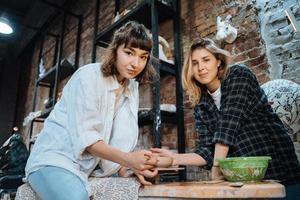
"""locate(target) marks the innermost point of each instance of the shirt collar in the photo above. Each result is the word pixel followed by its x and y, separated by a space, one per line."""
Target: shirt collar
pixel 215 93
pixel 114 85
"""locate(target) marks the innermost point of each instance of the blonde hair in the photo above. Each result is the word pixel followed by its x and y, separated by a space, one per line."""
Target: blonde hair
pixel 189 83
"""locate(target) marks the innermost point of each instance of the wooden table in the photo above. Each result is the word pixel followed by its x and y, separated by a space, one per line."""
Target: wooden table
pixel 204 190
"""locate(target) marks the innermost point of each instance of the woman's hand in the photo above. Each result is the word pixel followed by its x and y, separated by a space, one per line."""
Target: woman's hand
pixel 166 158
pixel 143 180
pixel 123 172
pixel 216 173
pixel 162 152
pixel 146 173
pixel 152 160
pixel 141 160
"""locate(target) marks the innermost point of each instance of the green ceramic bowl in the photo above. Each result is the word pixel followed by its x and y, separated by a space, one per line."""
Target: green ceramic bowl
pixel 244 168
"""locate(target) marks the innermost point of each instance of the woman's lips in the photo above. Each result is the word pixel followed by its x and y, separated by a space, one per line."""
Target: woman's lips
pixel 202 75
pixel 131 72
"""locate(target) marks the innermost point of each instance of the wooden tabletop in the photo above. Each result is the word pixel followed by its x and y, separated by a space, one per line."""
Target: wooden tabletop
pixel 213 190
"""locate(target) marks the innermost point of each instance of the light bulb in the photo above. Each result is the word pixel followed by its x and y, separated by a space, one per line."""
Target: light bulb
pixel 5 28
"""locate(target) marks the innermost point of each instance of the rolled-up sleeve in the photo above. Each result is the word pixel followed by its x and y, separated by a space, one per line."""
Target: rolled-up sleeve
pixel 84 121
pixel 204 146
pixel 236 102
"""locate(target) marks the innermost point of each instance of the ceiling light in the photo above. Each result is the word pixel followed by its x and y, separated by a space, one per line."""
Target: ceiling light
pixel 5 27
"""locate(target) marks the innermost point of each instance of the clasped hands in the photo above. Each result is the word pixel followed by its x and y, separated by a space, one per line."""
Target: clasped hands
pixel 143 164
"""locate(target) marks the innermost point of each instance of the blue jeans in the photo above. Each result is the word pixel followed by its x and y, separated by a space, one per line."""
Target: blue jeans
pixel 57 183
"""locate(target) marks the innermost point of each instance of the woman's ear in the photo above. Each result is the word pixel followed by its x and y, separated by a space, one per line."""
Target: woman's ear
pixel 219 63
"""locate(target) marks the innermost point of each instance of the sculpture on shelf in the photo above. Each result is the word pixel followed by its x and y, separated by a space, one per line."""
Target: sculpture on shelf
pixel 120 15
pixel 225 32
pixel 167 2
pixel 42 69
pixel 164 50
pixel 31 116
pixel 48 103
pixel 284 97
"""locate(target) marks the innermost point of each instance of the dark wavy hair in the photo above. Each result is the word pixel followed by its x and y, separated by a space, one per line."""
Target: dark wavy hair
pixel 131 34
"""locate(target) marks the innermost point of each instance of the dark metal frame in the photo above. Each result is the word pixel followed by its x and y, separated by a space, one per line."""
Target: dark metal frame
pixel 56 59
pixel 96 22
pixel 179 90
pixel 156 85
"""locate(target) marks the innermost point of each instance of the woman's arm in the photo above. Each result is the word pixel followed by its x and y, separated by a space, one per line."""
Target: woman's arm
pixel 188 159
pixel 204 145
pixel 221 151
pixel 138 160
pixel 141 162
pixel 180 159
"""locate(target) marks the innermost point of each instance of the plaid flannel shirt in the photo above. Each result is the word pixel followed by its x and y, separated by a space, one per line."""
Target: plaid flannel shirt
pixel 247 124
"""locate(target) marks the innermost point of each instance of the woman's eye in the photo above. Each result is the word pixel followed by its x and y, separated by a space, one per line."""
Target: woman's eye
pixel 128 53
pixel 206 60
pixel 144 57
pixel 194 64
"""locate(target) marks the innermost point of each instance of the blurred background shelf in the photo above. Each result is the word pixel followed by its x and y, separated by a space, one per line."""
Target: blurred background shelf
pixel 141 14
pixel 65 70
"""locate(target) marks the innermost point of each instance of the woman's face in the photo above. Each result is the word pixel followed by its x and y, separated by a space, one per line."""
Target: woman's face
pixel 205 68
pixel 130 62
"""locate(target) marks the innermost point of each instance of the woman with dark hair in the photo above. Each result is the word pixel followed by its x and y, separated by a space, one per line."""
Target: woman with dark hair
pixel 95 122
pixel 233 117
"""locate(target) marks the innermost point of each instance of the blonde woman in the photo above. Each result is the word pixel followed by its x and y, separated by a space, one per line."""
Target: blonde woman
pixel 233 117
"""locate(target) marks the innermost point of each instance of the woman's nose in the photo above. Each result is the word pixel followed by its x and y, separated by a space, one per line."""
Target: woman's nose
pixel 135 61
pixel 200 67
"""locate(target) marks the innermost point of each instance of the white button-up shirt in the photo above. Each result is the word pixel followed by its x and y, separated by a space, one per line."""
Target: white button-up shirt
pixel 83 116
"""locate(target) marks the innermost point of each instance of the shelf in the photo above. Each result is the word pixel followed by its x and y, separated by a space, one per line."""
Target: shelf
pixel 44 115
pixel 146 117
pixel 167 68
pixel 142 14
pixel 65 70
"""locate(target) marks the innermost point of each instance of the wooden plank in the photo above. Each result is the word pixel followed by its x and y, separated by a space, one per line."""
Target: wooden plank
pixel 216 190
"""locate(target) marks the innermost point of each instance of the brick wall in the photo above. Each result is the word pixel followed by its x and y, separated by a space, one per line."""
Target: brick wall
pixel 282 42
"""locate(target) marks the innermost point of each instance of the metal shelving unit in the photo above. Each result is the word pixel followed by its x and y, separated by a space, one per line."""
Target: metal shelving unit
pixel 61 67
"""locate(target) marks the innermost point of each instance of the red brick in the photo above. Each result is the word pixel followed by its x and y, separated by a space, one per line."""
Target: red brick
pixel 215 2
pixel 191 143
pixel 256 61
pixel 255 52
pixel 241 57
pixel 262 78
